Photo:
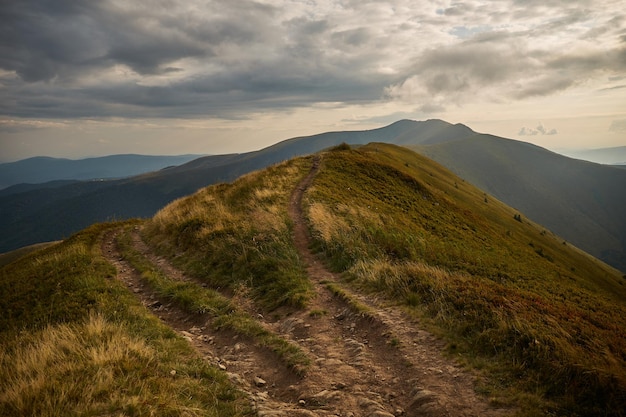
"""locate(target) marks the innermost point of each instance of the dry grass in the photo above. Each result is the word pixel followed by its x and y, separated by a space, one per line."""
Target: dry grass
pixel 73 341
pixel 96 367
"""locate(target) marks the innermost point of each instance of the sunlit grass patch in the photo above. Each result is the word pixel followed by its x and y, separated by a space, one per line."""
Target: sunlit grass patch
pixel 97 367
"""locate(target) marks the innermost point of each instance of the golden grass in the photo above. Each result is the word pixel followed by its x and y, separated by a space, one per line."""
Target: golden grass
pixel 96 367
pixel 74 341
pixel 328 226
pixel 87 357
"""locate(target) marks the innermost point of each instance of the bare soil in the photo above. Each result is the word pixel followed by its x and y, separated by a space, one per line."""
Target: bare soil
pixel 377 365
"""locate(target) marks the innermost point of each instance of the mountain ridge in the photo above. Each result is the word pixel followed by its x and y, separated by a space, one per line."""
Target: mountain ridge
pixel 42 169
pixel 143 195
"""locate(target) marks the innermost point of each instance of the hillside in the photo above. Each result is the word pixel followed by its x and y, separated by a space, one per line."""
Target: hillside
pixel 313 288
pixel 580 201
pixel 44 169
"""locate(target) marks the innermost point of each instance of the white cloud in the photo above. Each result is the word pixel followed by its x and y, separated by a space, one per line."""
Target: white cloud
pixel 618 126
pixel 539 130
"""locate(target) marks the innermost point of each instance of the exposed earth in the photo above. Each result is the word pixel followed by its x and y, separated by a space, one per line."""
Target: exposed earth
pixel 375 364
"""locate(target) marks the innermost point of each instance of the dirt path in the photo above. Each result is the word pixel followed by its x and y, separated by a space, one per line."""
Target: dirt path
pixel 376 366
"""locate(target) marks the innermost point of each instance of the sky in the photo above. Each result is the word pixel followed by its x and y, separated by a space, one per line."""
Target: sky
pixel 83 78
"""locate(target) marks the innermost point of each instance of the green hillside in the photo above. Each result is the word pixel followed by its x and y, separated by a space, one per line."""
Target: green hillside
pixel 542 322
pixel 581 201
pixel 508 291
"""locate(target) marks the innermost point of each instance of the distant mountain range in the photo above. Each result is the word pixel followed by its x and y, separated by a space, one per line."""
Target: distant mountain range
pixel 580 201
pixel 44 169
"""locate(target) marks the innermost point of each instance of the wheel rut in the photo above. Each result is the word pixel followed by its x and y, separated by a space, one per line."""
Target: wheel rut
pixel 374 365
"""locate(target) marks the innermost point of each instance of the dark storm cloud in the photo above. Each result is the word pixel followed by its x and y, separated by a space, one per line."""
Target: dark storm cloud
pixel 238 55
pixel 229 93
pixel 166 58
pixel 45 39
pixel 40 40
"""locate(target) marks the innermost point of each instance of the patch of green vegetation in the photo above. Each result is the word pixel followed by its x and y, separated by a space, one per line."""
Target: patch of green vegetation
pixel 394 341
pixel 75 341
pixel 547 319
pixel 318 313
pixel 354 304
pixel 226 315
pixel 239 234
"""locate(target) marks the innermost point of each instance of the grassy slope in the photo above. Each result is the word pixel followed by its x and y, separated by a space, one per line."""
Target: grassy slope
pixel 541 315
pixel 544 318
pixel 7 258
pixel 582 201
pixel 73 341
pixel 224 312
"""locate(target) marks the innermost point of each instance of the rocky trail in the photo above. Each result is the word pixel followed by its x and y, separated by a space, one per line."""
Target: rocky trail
pixel 379 364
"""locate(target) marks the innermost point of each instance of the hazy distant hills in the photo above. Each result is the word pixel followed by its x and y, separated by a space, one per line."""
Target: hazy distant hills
pixel 611 156
pixel 581 201
pixel 44 169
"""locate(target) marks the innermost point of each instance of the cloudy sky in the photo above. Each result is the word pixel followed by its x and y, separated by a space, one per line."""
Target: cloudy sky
pixel 84 78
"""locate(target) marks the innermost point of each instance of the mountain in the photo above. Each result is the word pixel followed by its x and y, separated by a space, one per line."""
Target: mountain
pixel 44 169
pixel 578 200
pixel 316 287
